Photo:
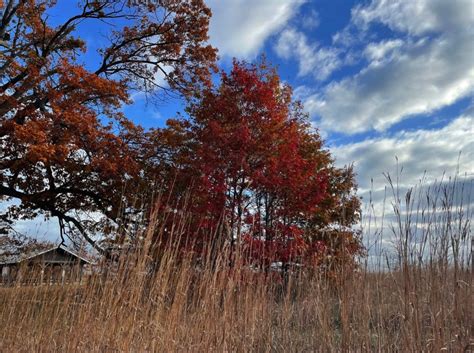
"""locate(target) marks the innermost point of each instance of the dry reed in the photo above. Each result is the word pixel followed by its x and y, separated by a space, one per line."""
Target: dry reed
pixel 419 300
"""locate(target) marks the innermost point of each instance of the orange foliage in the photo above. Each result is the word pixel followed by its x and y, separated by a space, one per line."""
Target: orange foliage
pixel 245 169
pixel 57 156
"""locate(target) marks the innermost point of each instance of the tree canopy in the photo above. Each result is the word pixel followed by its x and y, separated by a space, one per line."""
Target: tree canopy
pixel 251 163
pixel 244 166
pixel 57 155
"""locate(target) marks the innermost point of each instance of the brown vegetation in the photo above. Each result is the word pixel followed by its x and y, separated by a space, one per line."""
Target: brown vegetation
pixel 182 304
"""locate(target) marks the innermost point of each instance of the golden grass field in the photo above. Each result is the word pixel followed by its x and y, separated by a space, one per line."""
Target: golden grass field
pixel 182 310
pixel 422 304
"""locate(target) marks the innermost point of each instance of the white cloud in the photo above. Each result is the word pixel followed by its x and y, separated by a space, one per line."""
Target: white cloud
pixel 312 59
pixel 310 20
pixel 380 51
pixel 427 161
pixel 429 69
pixel 240 27
pixel 432 151
pixel 424 78
pixel 39 228
pixel 417 17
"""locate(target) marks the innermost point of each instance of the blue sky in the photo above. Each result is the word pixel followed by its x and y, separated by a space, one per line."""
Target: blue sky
pixel 380 78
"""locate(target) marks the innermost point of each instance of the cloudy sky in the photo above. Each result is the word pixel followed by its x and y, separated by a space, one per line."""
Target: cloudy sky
pixel 384 80
pixel 381 79
pixel 389 83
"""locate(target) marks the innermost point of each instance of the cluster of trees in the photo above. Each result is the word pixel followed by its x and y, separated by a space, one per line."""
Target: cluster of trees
pixel 244 160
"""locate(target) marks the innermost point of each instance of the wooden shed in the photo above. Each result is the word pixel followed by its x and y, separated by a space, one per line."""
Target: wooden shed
pixel 54 265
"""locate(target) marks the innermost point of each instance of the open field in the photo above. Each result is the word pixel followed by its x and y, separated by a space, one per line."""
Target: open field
pixel 424 309
pixel 419 301
pixel 416 309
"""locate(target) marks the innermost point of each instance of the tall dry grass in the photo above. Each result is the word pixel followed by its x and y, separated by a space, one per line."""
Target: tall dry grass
pixel 417 298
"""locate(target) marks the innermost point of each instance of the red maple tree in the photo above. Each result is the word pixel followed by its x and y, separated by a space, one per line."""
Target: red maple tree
pixel 252 166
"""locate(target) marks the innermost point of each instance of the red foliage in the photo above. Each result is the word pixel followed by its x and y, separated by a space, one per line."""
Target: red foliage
pixel 245 168
pixel 250 163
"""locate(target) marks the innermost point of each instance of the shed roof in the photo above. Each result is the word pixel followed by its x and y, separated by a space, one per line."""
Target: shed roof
pixel 62 250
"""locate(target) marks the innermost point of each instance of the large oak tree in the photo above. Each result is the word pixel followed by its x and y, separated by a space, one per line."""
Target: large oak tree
pixel 65 149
